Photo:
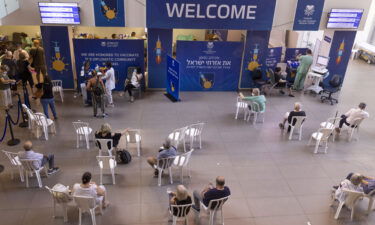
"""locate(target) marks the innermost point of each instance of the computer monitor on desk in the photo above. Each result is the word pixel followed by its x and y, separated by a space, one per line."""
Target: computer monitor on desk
pixel 322 61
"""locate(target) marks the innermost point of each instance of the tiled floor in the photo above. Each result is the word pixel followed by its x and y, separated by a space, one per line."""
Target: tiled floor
pixel 273 180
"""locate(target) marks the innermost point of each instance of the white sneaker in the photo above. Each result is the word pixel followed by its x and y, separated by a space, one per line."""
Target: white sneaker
pixel 131 98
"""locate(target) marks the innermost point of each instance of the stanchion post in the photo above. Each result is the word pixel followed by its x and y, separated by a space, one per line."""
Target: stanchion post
pixel 26 95
pixel 13 141
pixel 24 123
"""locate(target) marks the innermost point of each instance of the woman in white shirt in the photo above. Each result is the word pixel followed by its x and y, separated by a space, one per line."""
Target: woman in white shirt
pixel 90 189
pixel 110 82
pixel 135 82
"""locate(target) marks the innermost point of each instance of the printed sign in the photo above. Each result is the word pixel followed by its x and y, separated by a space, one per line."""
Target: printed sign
pixel 109 13
pixel 173 78
pixel 209 66
pixel 327 39
pixel 213 14
pixel 308 14
pixel 273 57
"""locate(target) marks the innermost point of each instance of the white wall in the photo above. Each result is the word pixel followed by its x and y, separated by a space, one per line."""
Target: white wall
pixel 365 35
pixel 31 31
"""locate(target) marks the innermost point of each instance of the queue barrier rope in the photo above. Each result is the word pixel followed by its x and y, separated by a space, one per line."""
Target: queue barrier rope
pixel 18 113
pixel 5 129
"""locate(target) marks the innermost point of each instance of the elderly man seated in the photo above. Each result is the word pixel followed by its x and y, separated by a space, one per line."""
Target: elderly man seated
pixel 353 115
pixel 165 152
pixel 366 183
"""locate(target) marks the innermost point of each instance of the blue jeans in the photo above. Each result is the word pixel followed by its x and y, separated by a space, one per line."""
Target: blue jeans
pixel 51 103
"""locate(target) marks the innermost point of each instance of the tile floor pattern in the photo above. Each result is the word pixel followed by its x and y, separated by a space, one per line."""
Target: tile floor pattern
pixel 273 180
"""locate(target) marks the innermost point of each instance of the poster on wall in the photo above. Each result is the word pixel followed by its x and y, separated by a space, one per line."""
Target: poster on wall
pixel 209 66
pixel 173 78
pixel 91 53
pixel 159 46
pixel 109 13
pixel 308 14
pixel 256 51
pixel 213 14
pixel 57 54
pixel 273 57
pixel 339 54
pixel 292 53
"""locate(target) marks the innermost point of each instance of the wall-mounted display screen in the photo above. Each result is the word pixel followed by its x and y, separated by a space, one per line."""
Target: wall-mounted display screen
pixel 59 13
pixel 344 18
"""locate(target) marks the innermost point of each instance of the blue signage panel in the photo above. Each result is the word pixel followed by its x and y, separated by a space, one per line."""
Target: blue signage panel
pixel 173 77
pixel 339 54
pixel 159 46
pixel 308 14
pixel 121 53
pixel 292 53
pixel 57 53
pixel 256 51
pixel 109 13
pixel 213 14
pixel 209 66
pixel 273 57
pixel 327 39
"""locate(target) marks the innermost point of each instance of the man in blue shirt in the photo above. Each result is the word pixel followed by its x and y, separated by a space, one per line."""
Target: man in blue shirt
pixel 211 193
pixel 167 151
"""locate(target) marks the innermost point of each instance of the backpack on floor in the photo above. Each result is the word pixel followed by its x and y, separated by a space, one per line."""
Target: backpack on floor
pixel 124 157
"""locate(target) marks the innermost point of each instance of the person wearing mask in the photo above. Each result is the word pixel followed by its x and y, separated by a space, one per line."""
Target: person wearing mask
pixel 165 152
pixel 134 82
pixel 110 81
pixel 289 115
pixel 352 115
pixel 211 193
pixel 47 98
pixel 37 60
pixel 302 70
pixel 105 132
pixel 42 159
pixel 5 92
pixel 180 197
pixel 96 86
pixel 90 189
pixel 18 51
pixel 256 97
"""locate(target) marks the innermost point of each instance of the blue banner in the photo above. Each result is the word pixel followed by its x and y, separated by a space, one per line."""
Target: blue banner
pixel 121 53
pixel 256 51
pixel 109 13
pixel 159 46
pixel 339 54
pixel 292 53
pixel 173 78
pixel 213 14
pixel 274 57
pixel 57 53
pixel 308 14
pixel 209 66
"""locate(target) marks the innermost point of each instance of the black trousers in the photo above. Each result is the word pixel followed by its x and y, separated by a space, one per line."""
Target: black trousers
pixel 343 121
pixel 129 88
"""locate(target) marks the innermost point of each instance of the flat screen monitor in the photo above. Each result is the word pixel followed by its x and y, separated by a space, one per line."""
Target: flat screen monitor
pixel 322 60
pixel 59 13
pixel 344 18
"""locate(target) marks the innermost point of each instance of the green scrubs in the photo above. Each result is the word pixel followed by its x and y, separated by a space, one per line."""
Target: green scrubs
pixel 302 70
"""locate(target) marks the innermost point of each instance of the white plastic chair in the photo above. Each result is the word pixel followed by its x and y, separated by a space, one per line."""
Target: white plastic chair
pixel 165 164
pixel 354 128
pixel 57 87
pixel 62 199
pixel 298 124
pixel 178 136
pixel 107 163
pixel 331 124
pixel 254 110
pixel 371 199
pixel 322 135
pixel 194 131
pixel 180 212
pixel 213 207
pixel 83 130
pixel 42 123
pixel 133 136
pixel 181 162
pixel 30 167
pixel 87 204
pixel 350 202
pixel 14 162
pixel 30 116
pixel 240 105
pixel 102 144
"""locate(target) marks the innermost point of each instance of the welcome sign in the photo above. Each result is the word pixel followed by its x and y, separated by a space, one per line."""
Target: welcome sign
pixel 214 14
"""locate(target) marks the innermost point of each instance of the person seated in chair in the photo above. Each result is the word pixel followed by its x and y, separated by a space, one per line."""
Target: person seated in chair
pixel 367 183
pixel 135 82
pixel 90 189
pixel 211 193
pixel 289 115
pixel 165 152
pixel 42 159
pixel 351 184
pixel 352 115
pixel 255 97
pixel 105 132
pixel 180 197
